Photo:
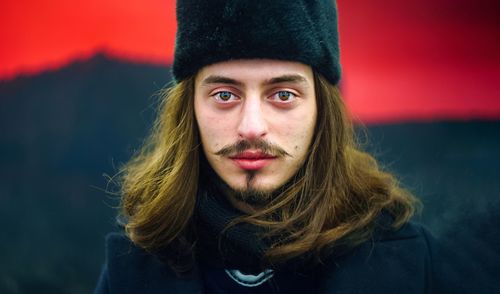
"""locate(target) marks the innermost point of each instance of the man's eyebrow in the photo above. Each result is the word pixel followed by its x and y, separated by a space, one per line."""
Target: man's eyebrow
pixel 293 78
pixel 287 79
pixel 220 80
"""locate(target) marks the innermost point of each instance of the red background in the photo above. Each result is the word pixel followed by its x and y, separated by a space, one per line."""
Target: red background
pixel 402 60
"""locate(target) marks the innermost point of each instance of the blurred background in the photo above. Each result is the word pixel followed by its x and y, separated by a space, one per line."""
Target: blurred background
pixel 78 84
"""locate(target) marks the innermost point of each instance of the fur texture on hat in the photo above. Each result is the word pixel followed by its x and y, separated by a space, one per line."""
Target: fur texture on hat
pixel 211 31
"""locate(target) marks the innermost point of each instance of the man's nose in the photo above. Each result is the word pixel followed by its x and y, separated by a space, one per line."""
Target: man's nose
pixel 253 123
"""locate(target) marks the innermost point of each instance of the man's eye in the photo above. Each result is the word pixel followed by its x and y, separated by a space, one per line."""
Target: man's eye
pixel 283 96
pixel 224 96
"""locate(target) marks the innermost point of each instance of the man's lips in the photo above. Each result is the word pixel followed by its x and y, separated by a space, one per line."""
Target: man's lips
pixel 252 160
pixel 250 154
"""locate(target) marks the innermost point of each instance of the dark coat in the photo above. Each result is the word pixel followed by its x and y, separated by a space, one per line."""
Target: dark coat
pixel 405 261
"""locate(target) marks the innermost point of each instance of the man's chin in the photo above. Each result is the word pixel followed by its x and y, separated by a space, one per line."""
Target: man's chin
pixel 252 191
pixel 253 197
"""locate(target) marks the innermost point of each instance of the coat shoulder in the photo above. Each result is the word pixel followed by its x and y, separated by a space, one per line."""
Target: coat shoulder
pixel 392 261
pixel 130 269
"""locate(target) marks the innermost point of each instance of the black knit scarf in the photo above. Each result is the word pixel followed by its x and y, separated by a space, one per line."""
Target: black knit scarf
pixel 241 246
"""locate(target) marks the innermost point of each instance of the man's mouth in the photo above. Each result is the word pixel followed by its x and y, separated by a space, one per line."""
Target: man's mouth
pixel 252 159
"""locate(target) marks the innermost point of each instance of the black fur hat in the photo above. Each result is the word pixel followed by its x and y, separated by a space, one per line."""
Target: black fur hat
pixel 211 31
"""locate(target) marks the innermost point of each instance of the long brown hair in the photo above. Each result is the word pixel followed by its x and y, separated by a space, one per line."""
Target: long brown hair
pixel 336 196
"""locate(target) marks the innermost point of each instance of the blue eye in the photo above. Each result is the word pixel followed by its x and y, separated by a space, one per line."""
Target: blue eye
pixel 284 96
pixel 224 96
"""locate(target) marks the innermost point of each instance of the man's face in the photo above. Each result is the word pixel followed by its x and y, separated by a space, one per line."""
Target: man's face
pixel 256 120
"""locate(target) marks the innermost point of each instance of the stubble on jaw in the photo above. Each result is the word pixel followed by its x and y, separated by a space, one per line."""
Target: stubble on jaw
pixel 247 194
pixel 250 179
pixel 250 195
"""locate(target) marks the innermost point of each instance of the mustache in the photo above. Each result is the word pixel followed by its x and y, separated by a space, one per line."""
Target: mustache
pixel 241 146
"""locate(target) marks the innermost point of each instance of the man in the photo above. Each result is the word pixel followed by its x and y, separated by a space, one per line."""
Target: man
pixel 251 181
